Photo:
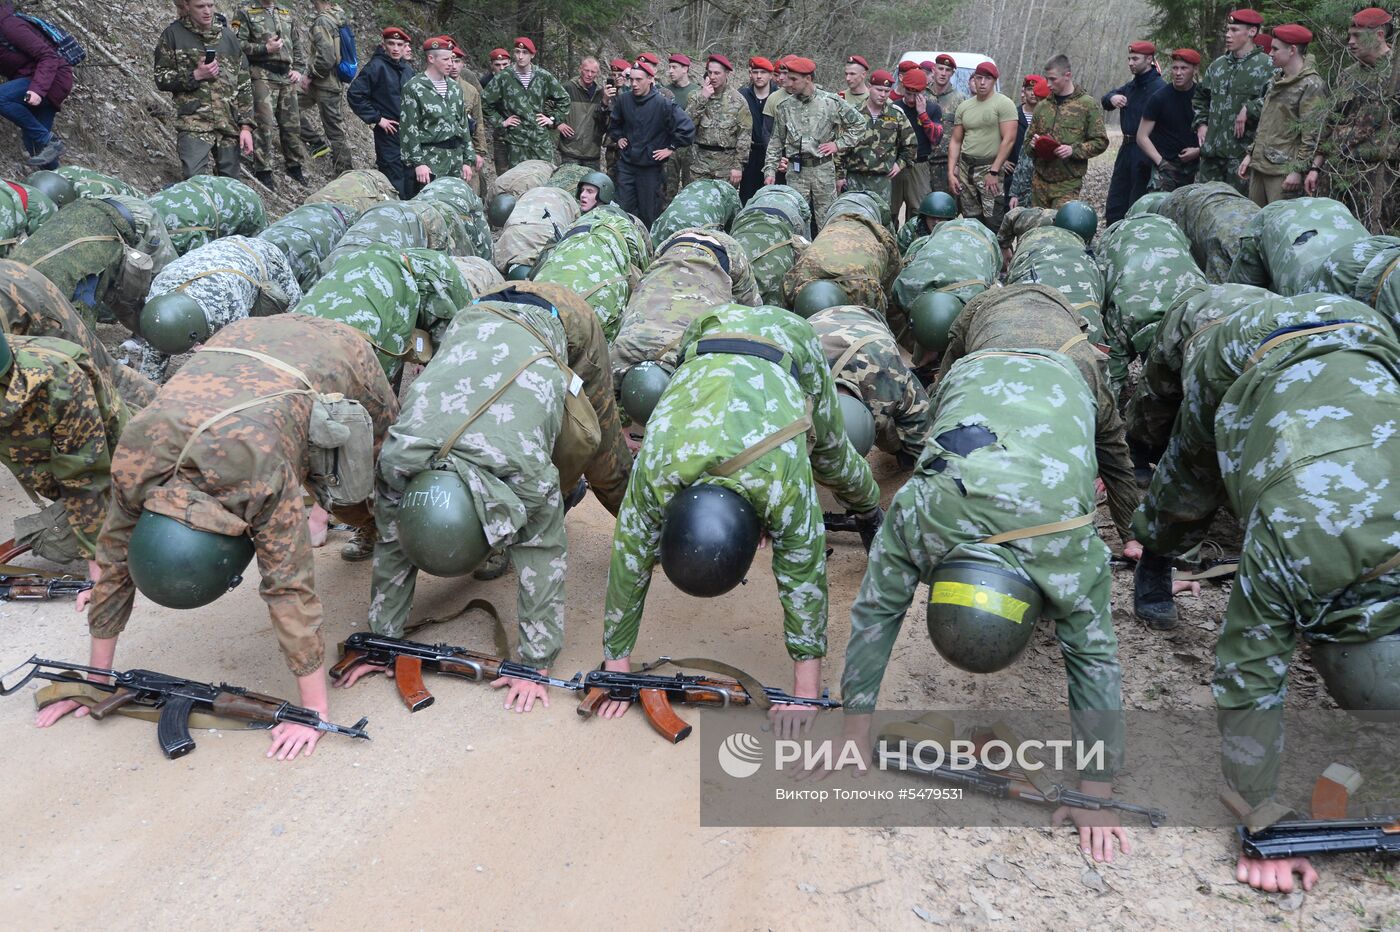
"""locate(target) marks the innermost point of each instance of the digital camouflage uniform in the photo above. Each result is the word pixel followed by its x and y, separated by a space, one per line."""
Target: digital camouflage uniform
pixel 772 229
pixel 208 114
pixel 59 422
pixel 540 218
pixel 92 183
pixel 594 262
pixel 716 406
pixel 1077 122
pixel 1039 469
pixel 306 236
pixel 1019 221
pixel 433 129
pixel 1359 161
pixel 1287 242
pixel 1367 270
pixel 326 93
pixel 505 96
pixel 358 190
pixel 699 204
pixel 231 278
pixel 204 208
pixel 274 95
pixel 504 458
pixel 960 257
pixel 1308 447
pixel 1186 487
pixel 444 226
pixel 855 253
pixel 876 373
pixel 800 125
pixel 723 135
pixel 1056 257
pixel 459 204
pixel 523 176
pixel 1228 84
pixel 22 211
pixel 1147 264
pixel 1039 318
pixel 1214 217
pixel 31 305
pixel 394 225
pixel 385 294
pixel 693 271
pixel 261 490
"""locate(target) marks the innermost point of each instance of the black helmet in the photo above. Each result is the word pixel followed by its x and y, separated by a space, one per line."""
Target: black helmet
pixel 708 539
pixel 499 207
pixel 439 529
pixel 177 566
pixel 981 615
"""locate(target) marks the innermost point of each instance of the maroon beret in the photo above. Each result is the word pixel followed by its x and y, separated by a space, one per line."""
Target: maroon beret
pixel 1373 17
pixel 858 60
pixel 720 60
pixel 394 32
pixel 801 65
pixel 945 59
pixel 761 63
pixel 1142 47
pixel 523 42
pixel 989 69
pixel 1247 17
pixel 882 78
pixel 679 59
pixel 1190 56
pixel 1293 34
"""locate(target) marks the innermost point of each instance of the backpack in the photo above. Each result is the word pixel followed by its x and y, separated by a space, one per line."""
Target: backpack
pixel 67 47
pixel 349 60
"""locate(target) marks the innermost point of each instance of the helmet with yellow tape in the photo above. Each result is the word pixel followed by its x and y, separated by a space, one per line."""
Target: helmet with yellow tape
pixel 981 615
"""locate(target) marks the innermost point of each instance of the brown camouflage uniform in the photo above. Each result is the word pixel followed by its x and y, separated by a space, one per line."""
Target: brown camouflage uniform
pixel 856 253
pixel 1076 122
pixel 723 135
pixel 260 491
pixel 59 422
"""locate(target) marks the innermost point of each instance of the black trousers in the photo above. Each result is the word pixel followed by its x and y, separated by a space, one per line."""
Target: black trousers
pixel 1131 172
pixel 388 161
pixel 639 189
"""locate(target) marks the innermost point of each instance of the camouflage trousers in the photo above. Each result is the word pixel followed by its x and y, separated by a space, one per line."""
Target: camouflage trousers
pixel 817 183
pixel 938 174
pixel 208 155
pixel 911 186
pixel 328 102
pixel 975 201
pixel 278 117
pixel 1054 194
pixel 1168 176
pixel 1215 168
pixel 876 183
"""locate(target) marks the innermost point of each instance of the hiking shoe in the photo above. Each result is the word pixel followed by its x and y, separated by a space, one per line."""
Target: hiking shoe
pixel 497 565
pixel 49 154
pixel 360 547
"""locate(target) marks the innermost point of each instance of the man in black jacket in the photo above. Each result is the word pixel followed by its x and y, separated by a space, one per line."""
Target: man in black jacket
pixel 649 128
pixel 374 97
pixel 756 95
pixel 1131 171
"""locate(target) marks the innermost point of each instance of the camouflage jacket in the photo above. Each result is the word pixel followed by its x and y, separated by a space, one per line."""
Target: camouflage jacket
pixel 92 183
pixel 1290 123
pixel 260 491
pixel 204 208
pixel 394 225
pixel 1356 111
pixel 888 141
pixel 476 120
pixel 804 123
pixel 960 257
pixel 505 97
pixel 540 217
pixel 1077 122
pixel 220 106
pixel 723 130
pixel 593 261
pixel 1228 84
pixel 356 190
pixel 1285 244
pixel 703 203
pixel 1055 257
pixel 767 228
pixel 459 204
pixel 433 129
pixel 306 236
pixel 948 103
pixel 857 253
pixel 254 26
pixel 321 49
pixel 1214 216
pixel 59 422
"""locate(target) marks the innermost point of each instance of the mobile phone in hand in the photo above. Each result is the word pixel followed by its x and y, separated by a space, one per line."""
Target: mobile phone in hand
pixel 209 55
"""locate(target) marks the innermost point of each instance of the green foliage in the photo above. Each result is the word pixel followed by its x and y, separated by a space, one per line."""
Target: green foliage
pixel 1200 24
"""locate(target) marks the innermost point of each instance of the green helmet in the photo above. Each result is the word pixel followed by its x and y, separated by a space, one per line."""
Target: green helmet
pixel 498 209
pixel 439 529
pixel 173 322
pixel 518 272
pixel 818 296
pixel 708 538
pixel 642 388
pixel 981 615
pixel 860 423
pixel 939 205
pixel 932 317
pixel 59 189
pixel 1078 217
pixel 606 189
pixel 177 566
pixel 7 356
pixel 1363 676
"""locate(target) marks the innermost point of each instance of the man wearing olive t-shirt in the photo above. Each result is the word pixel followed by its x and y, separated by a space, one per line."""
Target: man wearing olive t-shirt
pixel 984 131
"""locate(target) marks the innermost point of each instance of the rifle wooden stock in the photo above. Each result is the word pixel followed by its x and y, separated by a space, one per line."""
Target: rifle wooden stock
pixel 408 677
pixel 347 663
pixel 592 698
pixel 113 702
pixel 663 718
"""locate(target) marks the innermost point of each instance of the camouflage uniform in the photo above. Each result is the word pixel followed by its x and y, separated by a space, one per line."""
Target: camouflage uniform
pixel 393 225
pixel 1186 487
pixel 876 374
pixel 699 204
pixel 1041 414
pixel 1077 121
pixel 961 258
pixel 1367 270
pixel 231 278
pixel 771 228
pixel 1359 162
pixel 259 492
pixel 208 114
pixel 1039 318
pixel 888 141
pixel 854 252
pixel 910 232
pixel 639 248
pixel 306 236
pixel 1055 257
pixel 385 293
pixel 567 177
pixel 593 261
pixel 716 406
pixel 1214 217
pixel 800 125
pixel 433 129
pixel 356 190
pixel 523 176
pixel 505 96
pixel 1287 242
pixel 1313 488
pixel 1019 221
pixel 693 271
pixel 723 134
pixel 503 458
pixel 59 422
pixel 326 92
pixel 274 94
pixel 91 183
pixel 31 305
pixel 1290 122
pixel 204 208
pixel 540 218
pixel 938 160
pixel 865 204
pixel 458 203
pixel 1147 265
pixel 476 120
pixel 479 275
pixel 1228 84
pixel 22 211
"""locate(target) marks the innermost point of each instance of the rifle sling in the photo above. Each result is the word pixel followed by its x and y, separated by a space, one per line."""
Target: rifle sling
pixel 839 366
pixel 498 630
pixel 89 695
pixel 758 695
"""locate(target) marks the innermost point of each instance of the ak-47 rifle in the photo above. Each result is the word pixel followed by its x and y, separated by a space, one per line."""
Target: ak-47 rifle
pixel 836 522
pixel 658 692
pixel 1303 838
pixel 176 698
pixel 34 586
pixel 408 658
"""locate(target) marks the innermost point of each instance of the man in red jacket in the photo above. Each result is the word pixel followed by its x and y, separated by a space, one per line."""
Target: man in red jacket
pixel 37 81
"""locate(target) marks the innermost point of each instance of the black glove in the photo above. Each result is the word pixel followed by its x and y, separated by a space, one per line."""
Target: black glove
pixel 868 524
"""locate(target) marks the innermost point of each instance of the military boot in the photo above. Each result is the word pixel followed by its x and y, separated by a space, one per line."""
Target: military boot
pixel 1152 592
pixel 266 180
pixel 496 565
pixel 360 547
pixel 295 173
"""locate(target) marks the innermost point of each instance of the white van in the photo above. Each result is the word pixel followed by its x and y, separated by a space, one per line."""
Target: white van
pixel 966 62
